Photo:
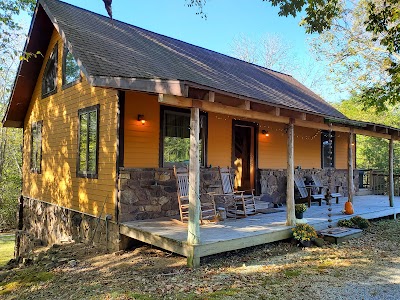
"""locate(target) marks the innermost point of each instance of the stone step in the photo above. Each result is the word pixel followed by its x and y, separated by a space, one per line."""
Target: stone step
pixel 339 235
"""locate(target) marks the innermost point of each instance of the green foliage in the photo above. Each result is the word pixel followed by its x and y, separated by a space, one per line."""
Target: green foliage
pixel 372 153
pixel 304 232
pixel 355 222
pixel 345 223
pixel 300 208
pixel 360 222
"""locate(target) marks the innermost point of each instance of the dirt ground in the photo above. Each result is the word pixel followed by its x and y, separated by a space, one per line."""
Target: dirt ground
pixel 363 268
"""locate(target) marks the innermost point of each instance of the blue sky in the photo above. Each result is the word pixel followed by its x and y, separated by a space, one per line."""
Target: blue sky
pixel 226 19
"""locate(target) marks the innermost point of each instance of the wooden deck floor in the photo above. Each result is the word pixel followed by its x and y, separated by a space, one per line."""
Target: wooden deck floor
pixel 171 234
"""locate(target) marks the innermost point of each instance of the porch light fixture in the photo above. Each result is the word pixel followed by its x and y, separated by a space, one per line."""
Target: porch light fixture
pixel 264 132
pixel 141 119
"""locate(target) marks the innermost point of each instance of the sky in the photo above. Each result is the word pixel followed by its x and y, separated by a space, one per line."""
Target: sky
pixel 226 19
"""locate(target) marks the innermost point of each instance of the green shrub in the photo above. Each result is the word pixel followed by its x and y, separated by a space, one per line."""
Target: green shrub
pixel 346 223
pixel 354 222
pixel 360 222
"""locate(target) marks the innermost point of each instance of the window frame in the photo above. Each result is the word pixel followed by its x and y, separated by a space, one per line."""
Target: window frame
pixel 72 83
pixel 33 169
pixel 163 110
pixel 86 174
pixel 46 69
pixel 323 132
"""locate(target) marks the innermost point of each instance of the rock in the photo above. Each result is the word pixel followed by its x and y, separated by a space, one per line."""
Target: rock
pixel 73 263
pixel 27 261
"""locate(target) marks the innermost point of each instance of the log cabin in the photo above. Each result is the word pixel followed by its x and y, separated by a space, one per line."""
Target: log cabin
pixel 109 109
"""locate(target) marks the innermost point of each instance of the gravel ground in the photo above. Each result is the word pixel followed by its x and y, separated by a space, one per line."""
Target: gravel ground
pixel 363 268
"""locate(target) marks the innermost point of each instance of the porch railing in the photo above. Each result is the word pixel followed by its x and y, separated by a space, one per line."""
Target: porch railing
pixel 377 181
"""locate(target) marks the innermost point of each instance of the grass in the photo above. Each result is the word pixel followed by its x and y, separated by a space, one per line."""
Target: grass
pixel 6 248
pixel 25 278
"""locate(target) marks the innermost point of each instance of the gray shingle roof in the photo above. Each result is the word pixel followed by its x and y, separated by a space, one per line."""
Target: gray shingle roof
pixel 117 49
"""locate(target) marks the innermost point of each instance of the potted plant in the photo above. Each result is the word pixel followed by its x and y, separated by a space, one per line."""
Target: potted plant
pixel 305 234
pixel 299 209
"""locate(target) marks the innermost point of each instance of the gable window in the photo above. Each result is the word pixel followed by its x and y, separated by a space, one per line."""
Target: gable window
pixel 175 140
pixel 88 142
pixel 71 70
pixel 49 81
pixel 36 147
pixel 327 149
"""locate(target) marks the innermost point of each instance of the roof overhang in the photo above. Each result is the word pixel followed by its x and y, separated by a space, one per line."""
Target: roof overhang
pixel 28 71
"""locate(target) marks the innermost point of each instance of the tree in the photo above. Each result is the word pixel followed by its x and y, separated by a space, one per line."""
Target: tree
pixel 273 52
pixel 372 153
pixel 378 25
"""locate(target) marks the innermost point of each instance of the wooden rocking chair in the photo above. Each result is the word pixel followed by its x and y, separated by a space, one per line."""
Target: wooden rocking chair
pixel 318 183
pixel 306 191
pixel 242 204
pixel 207 209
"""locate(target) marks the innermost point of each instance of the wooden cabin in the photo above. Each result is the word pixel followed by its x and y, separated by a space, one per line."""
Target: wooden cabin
pixel 109 109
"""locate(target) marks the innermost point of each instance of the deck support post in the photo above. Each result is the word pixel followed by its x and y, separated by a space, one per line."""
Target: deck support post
pixel 391 179
pixel 194 188
pixel 350 165
pixel 290 215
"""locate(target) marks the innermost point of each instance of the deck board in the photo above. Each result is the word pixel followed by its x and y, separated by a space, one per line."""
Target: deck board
pixel 171 235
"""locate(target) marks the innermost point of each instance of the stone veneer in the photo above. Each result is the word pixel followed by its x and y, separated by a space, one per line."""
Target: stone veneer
pixel 46 224
pixel 273 182
pixel 151 193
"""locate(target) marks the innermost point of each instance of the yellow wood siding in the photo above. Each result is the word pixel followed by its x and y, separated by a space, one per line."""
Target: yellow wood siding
pixel 141 141
pixel 307 148
pixel 57 182
pixel 341 150
pixel 219 140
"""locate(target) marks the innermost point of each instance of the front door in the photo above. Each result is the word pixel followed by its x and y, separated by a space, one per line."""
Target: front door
pixel 243 154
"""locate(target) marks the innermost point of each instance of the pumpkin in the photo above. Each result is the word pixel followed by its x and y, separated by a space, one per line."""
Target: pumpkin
pixel 348 208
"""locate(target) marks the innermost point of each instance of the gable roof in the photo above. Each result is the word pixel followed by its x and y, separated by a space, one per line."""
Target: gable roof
pixel 119 55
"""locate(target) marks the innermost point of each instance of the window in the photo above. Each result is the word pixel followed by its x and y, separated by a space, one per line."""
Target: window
pixel 328 149
pixel 36 147
pixel 49 81
pixel 88 142
pixel 175 142
pixel 71 71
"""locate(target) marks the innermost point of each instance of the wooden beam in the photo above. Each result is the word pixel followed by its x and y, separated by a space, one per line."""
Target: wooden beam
pixel 211 96
pixel 194 187
pixel 223 109
pixel 290 214
pixel 350 179
pixel 391 179
pixel 262 116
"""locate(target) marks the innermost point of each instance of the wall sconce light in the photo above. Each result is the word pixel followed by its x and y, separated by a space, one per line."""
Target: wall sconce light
pixel 141 119
pixel 264 132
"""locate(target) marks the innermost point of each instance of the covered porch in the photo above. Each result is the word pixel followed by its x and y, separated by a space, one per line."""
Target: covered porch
pixel 280 142
pixel 171 235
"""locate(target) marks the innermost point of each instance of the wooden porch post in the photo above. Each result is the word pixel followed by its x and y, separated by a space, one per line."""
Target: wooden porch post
pixel 290 215
pixel 391 179
pixel 194 188
pixel 350 164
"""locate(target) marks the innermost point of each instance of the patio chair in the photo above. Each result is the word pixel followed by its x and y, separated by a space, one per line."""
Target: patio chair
pixel 306 192
pixel 318 183
pixel 239 203
pixel 207 209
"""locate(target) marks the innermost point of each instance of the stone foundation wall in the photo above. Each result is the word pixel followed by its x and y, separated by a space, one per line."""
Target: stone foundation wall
pixel 47 224
pixel 273 182
pixel 152 193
